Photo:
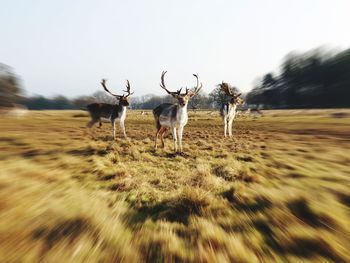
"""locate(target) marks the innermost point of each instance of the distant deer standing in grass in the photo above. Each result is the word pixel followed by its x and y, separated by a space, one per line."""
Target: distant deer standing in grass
pixel 113 112
pixel 173 116
pixel 228 110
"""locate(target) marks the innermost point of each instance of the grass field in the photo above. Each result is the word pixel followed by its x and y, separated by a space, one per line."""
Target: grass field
pixel 278 191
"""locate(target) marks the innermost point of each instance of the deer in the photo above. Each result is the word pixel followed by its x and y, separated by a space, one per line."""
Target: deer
pixel 228 110
pixel 113 112
pixel 173 116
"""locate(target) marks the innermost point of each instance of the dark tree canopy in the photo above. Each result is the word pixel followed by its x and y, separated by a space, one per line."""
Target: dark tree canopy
pixel 315 79
pixel 217 97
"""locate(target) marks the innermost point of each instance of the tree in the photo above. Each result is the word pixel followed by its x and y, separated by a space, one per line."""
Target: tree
pixel 217 97
pixel 101 96
pixel 268 81
pixel 82 101
pixel 62 103
pixel 201 100
pixel 10 91
pixel 313 79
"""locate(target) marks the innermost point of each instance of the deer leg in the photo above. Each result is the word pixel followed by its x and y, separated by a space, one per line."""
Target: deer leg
pixel 173 132
pixel 162 132
pixel 100 124
pixel 157 133
pixel 89 126
pixel 230 127
pixel 225 126
pixel 181 128
pixel 122 126
pixel 91 123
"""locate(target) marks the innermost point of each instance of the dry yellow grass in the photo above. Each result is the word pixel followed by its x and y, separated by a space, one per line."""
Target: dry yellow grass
pixel 278 191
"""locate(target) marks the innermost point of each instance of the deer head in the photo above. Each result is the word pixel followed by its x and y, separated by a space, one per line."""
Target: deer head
pixel 123 99
pixel 182 98
pixel 235 98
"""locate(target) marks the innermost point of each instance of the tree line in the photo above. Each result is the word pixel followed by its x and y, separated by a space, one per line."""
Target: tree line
pixel 202 101
pixel 313 79
pixel 150 101
pixel 11 93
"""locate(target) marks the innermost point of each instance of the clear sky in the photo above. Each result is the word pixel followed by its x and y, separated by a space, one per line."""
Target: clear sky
pixel 67 46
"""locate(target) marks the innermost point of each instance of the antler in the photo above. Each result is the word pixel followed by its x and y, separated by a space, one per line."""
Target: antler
pixel 128 89
pixel 162 85
pixel 197 88
pixel 103 83
pixel 226 88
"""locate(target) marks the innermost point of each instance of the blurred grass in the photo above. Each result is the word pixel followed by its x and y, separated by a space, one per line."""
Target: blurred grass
pixel 278 191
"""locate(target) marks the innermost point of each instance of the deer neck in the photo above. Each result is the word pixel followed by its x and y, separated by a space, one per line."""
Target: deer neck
pixel 182 112
pixel 233 107
pixel 231 112
pixel 120 108
pixel 119 105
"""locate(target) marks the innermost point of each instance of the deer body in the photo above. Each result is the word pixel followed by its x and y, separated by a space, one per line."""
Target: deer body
pixel 113 113
pixel 173 116
pixel 228 113
pixel 228 110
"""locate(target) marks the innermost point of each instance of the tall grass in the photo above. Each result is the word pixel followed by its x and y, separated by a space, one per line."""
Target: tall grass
pixel 278 191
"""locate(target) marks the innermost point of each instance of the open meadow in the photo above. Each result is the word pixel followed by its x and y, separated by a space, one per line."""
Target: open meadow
pixel 277 191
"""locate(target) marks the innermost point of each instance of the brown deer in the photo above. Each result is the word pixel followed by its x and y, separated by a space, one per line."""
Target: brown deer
pixel 173 116
pixel 113 112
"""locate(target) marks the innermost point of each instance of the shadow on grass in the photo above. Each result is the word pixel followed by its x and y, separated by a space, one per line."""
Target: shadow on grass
pixel 173 155
pixel 245 158
pixel 265 229
pixel 68 230
pixel 223 172
pixel 300 247
pixel 87 152
pixel 344 198
pixel 169 155
pixel 255 205
pixel 36 152
pixel 172 210
pixel 107 177
pixel 13 141
pixel 309 248
pixel 301 209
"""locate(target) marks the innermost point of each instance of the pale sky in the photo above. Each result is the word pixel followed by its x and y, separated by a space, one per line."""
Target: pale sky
pixel 67 46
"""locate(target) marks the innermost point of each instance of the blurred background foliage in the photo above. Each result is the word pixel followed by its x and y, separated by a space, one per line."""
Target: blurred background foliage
pixel 10 91
pixel 315 79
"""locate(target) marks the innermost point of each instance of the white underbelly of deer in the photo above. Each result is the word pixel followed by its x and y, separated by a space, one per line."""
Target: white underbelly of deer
pixel 165 121
pixel 168 122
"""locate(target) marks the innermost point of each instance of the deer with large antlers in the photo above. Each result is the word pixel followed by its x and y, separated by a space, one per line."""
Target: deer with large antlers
pixel 228 110
pixel 113 112
pixel 173 116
